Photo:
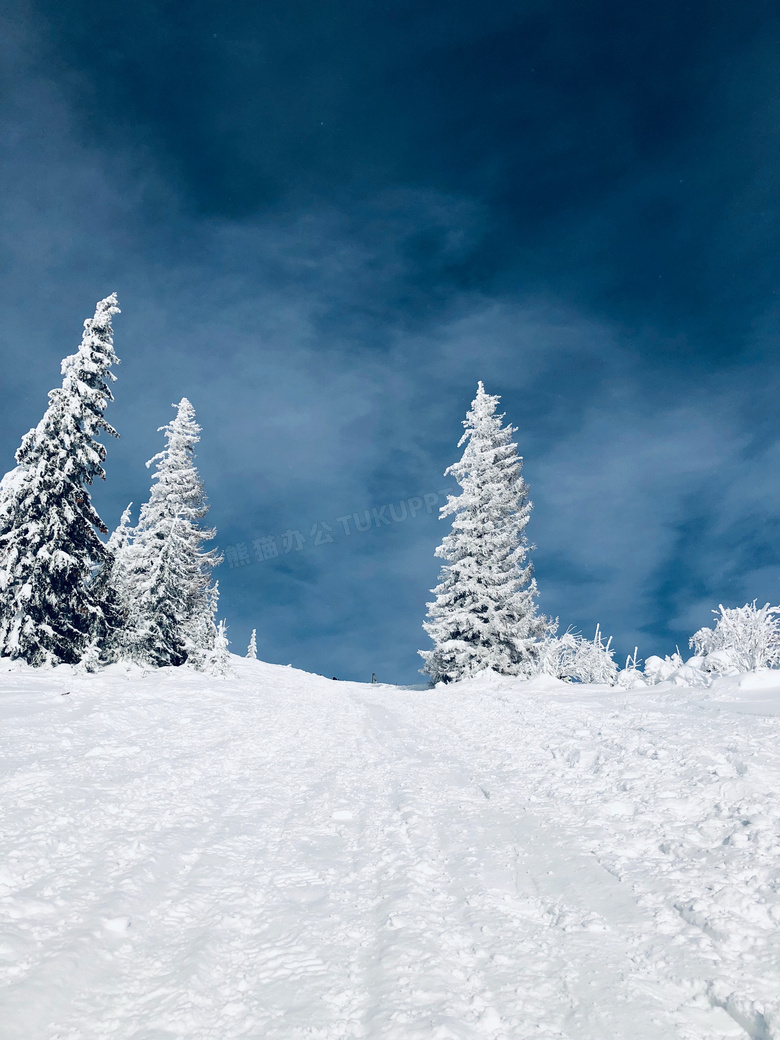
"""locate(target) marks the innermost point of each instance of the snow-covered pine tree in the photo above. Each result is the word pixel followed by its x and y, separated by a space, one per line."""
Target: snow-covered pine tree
pixel 165 567
pixel 111 591
pixel 219 658
pixel 201 631
pixel 122 533
pixel 157 635
pixel 251 650
pixel 49 545
pixel 485 614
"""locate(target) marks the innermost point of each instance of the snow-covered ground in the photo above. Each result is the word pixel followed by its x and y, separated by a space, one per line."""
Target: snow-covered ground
pixel 280 856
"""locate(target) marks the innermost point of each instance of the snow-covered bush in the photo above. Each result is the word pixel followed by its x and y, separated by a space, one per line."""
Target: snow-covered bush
pixel 743 639
pixel 574 658
pixel 659 669
pixel 630 677
pixel 91 659
pixel 674 670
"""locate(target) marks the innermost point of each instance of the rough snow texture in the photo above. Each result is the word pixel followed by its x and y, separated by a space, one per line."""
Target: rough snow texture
pixel 281 856
pixel 484 614
pixel 49 543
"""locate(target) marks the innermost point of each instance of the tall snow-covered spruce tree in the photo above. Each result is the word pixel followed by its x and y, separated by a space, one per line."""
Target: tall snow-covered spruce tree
pixel 485 613
pixel 164 573
pixel 49 544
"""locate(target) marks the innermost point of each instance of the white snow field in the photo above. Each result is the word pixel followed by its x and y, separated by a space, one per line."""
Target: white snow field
pixel 279 856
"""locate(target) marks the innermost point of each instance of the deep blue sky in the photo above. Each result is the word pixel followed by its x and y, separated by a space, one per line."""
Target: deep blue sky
pixel 327 220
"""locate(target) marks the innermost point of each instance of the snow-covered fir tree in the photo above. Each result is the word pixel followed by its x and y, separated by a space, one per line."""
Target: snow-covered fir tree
pixel 111 591
pixel 165 570
pixel 251 650
pixel 485 613
pixel 122 533
pixel 201 631
pixel 219 658
pixel 49 544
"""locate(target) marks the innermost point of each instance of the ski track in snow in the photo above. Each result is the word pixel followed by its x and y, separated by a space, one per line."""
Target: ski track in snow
pixel 279 856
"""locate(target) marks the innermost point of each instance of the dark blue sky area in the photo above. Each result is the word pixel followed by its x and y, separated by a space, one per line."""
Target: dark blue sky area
pixel 326 221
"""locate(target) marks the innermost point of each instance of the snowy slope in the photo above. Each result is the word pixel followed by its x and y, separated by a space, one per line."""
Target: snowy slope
pixel 280 856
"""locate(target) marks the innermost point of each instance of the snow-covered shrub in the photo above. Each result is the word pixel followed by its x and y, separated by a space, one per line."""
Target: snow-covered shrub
pixel 91 658
pixel 556 653
pixel 743 639
pixel 572 657
pixel 691 674
pixel 674 670
pixel 631 676
pixel 659 669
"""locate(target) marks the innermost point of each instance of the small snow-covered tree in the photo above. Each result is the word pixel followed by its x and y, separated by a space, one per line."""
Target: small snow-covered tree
pixel 157 634
pixel 49 544
pixel 484 614
pixel 219 657
pixel 201 630
pixel 111 591
pixel 251 650
pixel 165 567
pixel 92 658
pixel 743 639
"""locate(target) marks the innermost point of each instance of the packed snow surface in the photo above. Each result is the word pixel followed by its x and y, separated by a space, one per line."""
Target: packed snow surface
pixel 276 855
